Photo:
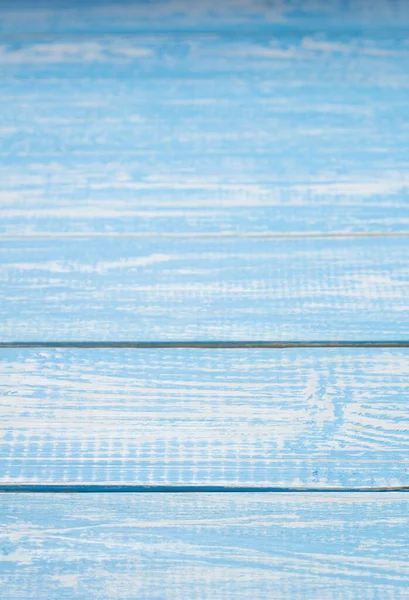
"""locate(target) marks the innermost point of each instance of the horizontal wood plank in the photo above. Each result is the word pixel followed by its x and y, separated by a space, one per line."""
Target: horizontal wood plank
pixel 109 15
pixel 198 289
pixel 204 134
pixel 216 546
pixel 288 418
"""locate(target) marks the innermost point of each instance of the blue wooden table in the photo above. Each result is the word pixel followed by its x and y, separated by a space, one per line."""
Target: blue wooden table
pixel 204 312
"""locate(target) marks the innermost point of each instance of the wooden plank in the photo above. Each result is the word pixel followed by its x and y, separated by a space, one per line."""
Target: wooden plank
pixel 108 15
pixel 289 418
pixel 198 289
pixel 218 546
pixel 204 134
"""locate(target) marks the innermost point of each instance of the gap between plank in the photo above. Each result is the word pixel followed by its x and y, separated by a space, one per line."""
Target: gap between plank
pixel 281 29
pixel 211 235
pixel 172 489
pixel 235 344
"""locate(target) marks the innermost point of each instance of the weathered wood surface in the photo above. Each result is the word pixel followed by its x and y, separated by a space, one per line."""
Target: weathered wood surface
pixel 296 133
pixel 300 418
pixel 184 289
pixel 215 546
pixel 286 118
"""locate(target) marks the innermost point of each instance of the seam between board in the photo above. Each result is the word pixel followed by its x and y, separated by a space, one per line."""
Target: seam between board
pixel 281 29
pixel 221 235
pixel 128 488
pixel 218 344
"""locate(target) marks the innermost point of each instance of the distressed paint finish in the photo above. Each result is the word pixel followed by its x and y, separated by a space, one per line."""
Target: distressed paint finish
pixel 198 289
pixel 191 134
pixel 306 418
pixel 281 546
pixel 147 178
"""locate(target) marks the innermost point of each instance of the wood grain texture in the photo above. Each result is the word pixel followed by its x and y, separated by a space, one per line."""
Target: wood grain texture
pixel 110 546
pixel 286 118
pixel 184 289
pixel 303 418
pixel 303 132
